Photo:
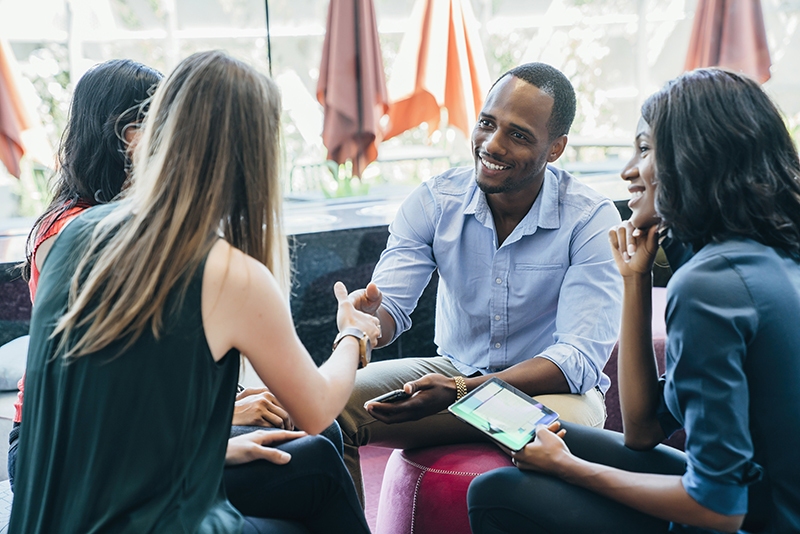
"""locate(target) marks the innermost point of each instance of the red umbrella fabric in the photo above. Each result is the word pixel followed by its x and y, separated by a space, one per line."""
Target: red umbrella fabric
pixel 440 65
pixel 352 85
pixel 13 119
pixel 730 34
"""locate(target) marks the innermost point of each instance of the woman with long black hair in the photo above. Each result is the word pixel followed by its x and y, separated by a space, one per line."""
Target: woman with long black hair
pixel 94 162
pixel 716 169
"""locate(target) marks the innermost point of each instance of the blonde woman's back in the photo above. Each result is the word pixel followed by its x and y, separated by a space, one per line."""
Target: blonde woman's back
pixel 139 437
pixel 207 163
pixel 142 310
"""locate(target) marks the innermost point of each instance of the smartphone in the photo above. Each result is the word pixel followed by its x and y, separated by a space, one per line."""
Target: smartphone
pixel 503 412
pixel 392 396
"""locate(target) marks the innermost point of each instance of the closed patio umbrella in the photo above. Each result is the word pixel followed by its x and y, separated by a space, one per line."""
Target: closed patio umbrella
pixel 352 85
pixel 730 34
pixel 440 65
pixel 13 119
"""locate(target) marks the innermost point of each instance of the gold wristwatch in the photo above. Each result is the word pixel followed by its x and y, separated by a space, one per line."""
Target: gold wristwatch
pixel 364 344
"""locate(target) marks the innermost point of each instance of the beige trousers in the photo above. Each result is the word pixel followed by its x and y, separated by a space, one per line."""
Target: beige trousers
pixel 360 428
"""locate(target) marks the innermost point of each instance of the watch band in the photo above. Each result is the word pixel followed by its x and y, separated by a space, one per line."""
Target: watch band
pixel 461 387
pixel 364 344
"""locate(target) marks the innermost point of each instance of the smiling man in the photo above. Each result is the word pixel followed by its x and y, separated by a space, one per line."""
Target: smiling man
pixel 528 290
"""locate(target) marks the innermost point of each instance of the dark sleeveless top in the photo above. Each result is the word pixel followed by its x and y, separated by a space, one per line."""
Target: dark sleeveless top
pixel 130 442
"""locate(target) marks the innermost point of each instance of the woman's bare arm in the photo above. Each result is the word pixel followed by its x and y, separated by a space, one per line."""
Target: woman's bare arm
pixel 639 396
pixel 243 308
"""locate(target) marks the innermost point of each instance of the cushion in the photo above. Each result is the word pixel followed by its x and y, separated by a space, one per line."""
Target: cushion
pixel 13 356
pixel 6 497
pixel 614 417
pixel 424 491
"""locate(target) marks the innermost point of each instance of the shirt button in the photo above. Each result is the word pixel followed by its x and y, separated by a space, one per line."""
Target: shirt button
pixel 496 317
pixel 497 345
pixel 498 280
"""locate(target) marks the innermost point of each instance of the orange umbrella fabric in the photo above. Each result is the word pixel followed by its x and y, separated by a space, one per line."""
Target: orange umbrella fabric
pixel 13 119
pixel 440 64
pixel 730 34
pixel 352 84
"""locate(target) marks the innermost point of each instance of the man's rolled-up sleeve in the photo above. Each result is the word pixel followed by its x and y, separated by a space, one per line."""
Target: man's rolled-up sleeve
pixel 407 263
pixel 589 304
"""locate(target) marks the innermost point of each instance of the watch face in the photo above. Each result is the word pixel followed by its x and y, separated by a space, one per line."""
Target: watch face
pixel 364 344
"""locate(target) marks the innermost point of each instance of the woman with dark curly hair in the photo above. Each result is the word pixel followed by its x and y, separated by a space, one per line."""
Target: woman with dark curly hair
pixel 94 154
pixel 717 167
pixel 94 162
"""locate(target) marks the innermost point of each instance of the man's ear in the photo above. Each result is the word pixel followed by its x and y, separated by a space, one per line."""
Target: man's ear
pixel 557 148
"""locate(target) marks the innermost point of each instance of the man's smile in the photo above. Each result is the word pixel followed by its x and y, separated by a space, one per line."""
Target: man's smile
pixel 492 166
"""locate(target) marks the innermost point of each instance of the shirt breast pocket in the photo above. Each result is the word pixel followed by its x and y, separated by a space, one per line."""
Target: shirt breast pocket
pixel 540 282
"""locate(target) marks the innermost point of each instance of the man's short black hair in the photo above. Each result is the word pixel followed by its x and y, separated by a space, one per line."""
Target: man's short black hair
pixel 552 82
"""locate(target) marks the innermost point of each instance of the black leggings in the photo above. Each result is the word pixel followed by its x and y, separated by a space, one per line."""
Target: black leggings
pixel 314 489
pixel 509 500
pixel 313 492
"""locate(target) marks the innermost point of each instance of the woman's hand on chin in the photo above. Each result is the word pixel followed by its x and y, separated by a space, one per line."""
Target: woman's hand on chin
pixel 634 249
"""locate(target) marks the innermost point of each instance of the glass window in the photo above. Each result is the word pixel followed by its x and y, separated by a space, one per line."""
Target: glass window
pixel 616 52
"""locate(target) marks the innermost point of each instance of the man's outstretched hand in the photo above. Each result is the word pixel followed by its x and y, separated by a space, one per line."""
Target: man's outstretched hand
pixel 367 300
pixel 429 395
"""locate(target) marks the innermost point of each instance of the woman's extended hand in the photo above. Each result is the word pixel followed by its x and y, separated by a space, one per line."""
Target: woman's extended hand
pixel 348 316
pixel 547 453
pixel 634 249
pixel 255 446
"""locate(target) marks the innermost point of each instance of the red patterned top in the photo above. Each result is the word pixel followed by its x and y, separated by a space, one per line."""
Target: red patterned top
pixel 52 231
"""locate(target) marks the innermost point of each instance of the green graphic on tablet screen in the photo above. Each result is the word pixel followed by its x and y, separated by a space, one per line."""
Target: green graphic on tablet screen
pixel 503 412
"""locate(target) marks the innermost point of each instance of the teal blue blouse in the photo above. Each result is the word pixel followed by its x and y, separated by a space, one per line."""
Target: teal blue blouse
pixel 733 370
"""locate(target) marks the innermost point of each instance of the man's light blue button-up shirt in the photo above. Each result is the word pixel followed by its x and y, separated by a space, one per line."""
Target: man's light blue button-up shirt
pixel 551 290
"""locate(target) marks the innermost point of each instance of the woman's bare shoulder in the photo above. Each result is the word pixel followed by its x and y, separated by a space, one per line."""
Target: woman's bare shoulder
pixel 237 280
pixel 237 290
pixel 230 266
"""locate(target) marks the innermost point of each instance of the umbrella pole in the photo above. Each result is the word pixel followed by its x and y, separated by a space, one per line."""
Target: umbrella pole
pixel 269 43
pixel 359 89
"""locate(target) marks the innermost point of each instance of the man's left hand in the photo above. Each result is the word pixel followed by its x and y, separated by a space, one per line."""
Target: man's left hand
pixel 429 395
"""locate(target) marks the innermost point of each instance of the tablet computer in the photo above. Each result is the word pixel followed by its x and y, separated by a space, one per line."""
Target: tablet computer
pixel 503 412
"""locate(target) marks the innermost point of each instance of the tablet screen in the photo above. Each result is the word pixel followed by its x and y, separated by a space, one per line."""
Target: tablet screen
pixel 503 412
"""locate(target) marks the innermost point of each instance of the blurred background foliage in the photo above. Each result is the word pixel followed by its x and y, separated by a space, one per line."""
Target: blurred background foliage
pixel 614 58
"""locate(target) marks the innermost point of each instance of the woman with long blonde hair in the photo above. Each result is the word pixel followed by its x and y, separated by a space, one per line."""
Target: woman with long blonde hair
pixel 143 307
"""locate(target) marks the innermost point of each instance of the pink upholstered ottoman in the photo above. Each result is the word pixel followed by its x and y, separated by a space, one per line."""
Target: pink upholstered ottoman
pixel 424 491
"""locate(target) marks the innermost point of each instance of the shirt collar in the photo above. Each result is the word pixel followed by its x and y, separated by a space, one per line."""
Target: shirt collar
pixel 543 214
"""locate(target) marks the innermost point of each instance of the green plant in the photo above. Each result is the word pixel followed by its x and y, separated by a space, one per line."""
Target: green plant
pixel 345 184
pixel 47 68
pixel 793 125
pixel 32 189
